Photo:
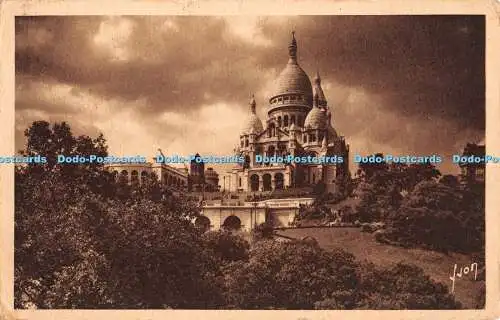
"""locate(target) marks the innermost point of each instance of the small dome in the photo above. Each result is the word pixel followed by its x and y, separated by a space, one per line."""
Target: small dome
pixel 252 124
pixel 316 119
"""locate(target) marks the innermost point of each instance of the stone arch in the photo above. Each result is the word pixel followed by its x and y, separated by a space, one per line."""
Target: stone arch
pixel 202 223
pixel 123 178
pixel 279 181
pixel 254 182
pixel 232 223
pixel 144 176
pixel 266 182
pixel 134 176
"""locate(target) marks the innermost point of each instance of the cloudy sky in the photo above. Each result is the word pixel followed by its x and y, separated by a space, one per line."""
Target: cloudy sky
pixel 396 84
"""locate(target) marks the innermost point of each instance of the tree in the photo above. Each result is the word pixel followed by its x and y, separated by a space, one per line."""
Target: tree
pixel 263 231
pixel 439 217
pixel 226 245
pixel 50 142
pixel 291 275
pixel 367 170
pixel 78 246
pixel 400 286
pixel 382 186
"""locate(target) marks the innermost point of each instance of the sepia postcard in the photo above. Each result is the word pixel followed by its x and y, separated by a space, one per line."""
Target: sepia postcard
pixel 243 159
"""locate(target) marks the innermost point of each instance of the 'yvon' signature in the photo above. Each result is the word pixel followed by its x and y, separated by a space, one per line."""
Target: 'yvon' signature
pixel 463 271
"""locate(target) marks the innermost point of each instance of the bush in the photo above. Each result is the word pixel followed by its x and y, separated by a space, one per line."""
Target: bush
pixel 262 231
pixel 226 246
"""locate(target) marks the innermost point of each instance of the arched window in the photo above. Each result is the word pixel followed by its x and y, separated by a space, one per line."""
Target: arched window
pixel 305 138
pixel 270 151
pixel 272 131
pixel 312 138
pixel 254 182
pixel 279 181
pixel 239 182
pixel 285 121
pixel 299 121
pixel 279 121
pixel 246 143
pixel 242 143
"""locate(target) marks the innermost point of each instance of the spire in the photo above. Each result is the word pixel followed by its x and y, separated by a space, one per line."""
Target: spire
pixel 318 90
pixel 317 79
pixel 315 100
pixel 292 49
pixel 252 104
pixel 324 144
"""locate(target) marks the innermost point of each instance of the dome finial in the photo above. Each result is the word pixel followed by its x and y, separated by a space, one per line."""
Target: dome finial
pixel 252 104
pixel 292 49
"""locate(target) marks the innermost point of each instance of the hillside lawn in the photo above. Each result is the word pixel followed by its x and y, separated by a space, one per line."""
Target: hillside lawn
pixel 363 246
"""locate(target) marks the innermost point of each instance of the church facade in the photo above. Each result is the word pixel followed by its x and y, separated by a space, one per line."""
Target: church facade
pixel 299 123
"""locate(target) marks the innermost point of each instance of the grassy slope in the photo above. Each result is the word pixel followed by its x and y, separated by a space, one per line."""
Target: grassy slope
pixel 362 245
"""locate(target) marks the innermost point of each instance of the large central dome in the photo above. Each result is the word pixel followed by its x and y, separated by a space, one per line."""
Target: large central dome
pixel 293 80
pixel 293 86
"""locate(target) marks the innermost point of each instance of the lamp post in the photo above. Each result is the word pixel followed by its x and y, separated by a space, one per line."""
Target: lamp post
pixel 254 214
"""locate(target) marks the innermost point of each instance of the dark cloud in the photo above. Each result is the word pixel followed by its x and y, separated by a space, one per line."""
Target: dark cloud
pixel 427 71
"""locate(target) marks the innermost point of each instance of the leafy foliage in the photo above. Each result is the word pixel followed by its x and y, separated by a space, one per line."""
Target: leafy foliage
pixel 440 217
pixel 263 231
pixel 128 247
pixel 401 286
pixel 301 275
pixel 227 245
pixel 290 275
pixel 84 240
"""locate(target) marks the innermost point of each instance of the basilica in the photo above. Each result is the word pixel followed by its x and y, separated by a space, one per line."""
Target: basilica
pixel 299 123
